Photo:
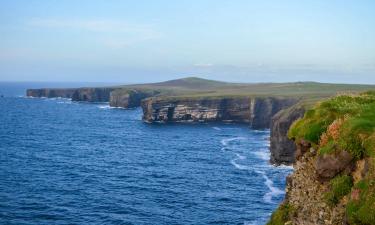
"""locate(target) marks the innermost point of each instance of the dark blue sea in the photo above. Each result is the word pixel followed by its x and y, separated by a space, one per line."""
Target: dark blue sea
pixel 63 162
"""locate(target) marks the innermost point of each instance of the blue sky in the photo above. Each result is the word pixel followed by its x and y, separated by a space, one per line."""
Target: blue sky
pixel 141 41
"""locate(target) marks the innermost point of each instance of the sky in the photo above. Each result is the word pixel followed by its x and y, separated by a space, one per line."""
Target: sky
pixel 154 40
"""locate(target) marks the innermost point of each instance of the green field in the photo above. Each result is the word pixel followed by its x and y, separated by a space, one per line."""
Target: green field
pixel 193 87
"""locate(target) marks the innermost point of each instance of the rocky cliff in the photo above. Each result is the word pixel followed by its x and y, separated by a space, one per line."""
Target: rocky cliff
pixel 76 94
pixel 334 174
pixel 92 94
pixel 282 148
pixel 50 92
pixel 129 98
pixel 255 111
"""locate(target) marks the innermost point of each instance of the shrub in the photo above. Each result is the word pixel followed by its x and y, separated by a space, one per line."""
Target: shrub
pixel 282 215
pixel 340 186
pixel 362 211
pixel 341 123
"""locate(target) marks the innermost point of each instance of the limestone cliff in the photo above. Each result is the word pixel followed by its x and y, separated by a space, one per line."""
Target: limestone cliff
pixel 282 148
pixel 50 92
pixel 255 111
pixel 92 94
pixel 334 174
pixel 129 98
pixel 76 94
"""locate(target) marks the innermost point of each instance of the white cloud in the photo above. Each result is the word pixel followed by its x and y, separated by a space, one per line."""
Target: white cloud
pixel 112 33
pixel 203 65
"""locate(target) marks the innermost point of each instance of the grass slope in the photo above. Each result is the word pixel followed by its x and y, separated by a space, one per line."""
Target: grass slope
pixel 193 87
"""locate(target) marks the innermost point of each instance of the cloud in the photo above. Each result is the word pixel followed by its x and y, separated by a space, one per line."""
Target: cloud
pixel 203 65
pixel 112 33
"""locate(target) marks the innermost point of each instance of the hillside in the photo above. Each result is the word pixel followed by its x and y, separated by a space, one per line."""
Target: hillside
pixel 333 181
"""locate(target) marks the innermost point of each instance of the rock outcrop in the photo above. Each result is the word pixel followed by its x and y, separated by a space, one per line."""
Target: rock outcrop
pixel 50 92
pixel 129 98
pixel 306 195
pixel 255 111
pixel 282 148
pixel 329 165
pixel 76 94
pixel 92 94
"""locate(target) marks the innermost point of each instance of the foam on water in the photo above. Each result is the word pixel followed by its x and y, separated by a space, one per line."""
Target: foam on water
pixel 262 155
pixel 260 168
pixel 216 128
pixel 226 141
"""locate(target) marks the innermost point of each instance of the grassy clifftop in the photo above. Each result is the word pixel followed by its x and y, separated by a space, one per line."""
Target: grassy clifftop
pixel 342 132
pixel 194 87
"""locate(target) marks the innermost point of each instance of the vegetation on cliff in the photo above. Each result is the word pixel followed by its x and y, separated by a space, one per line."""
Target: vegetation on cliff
pixel 344 122
pixel 340 129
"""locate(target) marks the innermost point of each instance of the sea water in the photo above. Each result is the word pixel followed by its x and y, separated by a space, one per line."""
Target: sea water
pixel 63 162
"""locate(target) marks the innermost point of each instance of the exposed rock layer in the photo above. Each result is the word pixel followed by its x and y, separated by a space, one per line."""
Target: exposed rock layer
pixel 255 111
pixel 129 98
pixel 92 94
pixel 305 193
pixel 50 93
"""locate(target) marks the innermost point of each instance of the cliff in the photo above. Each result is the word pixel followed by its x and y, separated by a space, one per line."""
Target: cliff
pixel 334 176
pixel 282 148
pixel 50 92
pixel 255 111
pixel 76 94
pixel 92 94
pixel 130 98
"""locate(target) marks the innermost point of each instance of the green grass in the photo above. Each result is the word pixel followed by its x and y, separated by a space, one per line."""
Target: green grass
pixel 282 215
pixel 362 211
pixel 345 122
pixel 194 87
pixel 339 187
pixel 352 116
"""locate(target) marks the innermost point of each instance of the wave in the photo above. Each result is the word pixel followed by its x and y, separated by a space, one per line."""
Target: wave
pixel 239 166
pixel 273 191
pixel 226 141
pixel 262 155
pixel 216 128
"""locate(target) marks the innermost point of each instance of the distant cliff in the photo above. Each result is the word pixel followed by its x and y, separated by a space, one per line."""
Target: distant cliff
pixel 130 98
pixel 51 92
pixel 255 111
pixel 76 94
pixel 92 94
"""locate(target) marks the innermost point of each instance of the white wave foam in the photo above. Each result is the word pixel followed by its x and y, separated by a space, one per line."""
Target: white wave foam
pixel 239 166
pixel 216 128
pixel 273 191
pixel 226 141
pixel 262 155
pixel 285 167
pixel 104 107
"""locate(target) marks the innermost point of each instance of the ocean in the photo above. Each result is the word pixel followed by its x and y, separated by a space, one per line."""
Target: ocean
pixel 64 162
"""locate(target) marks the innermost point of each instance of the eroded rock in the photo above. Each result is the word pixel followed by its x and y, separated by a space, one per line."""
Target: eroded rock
pixel 328 165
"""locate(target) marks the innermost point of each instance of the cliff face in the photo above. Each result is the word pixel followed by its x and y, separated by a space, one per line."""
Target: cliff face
pixel 129 98
pixel 282 148
pixel 334 174
pixel 92 94
pixel 50 93
pixel 255 111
